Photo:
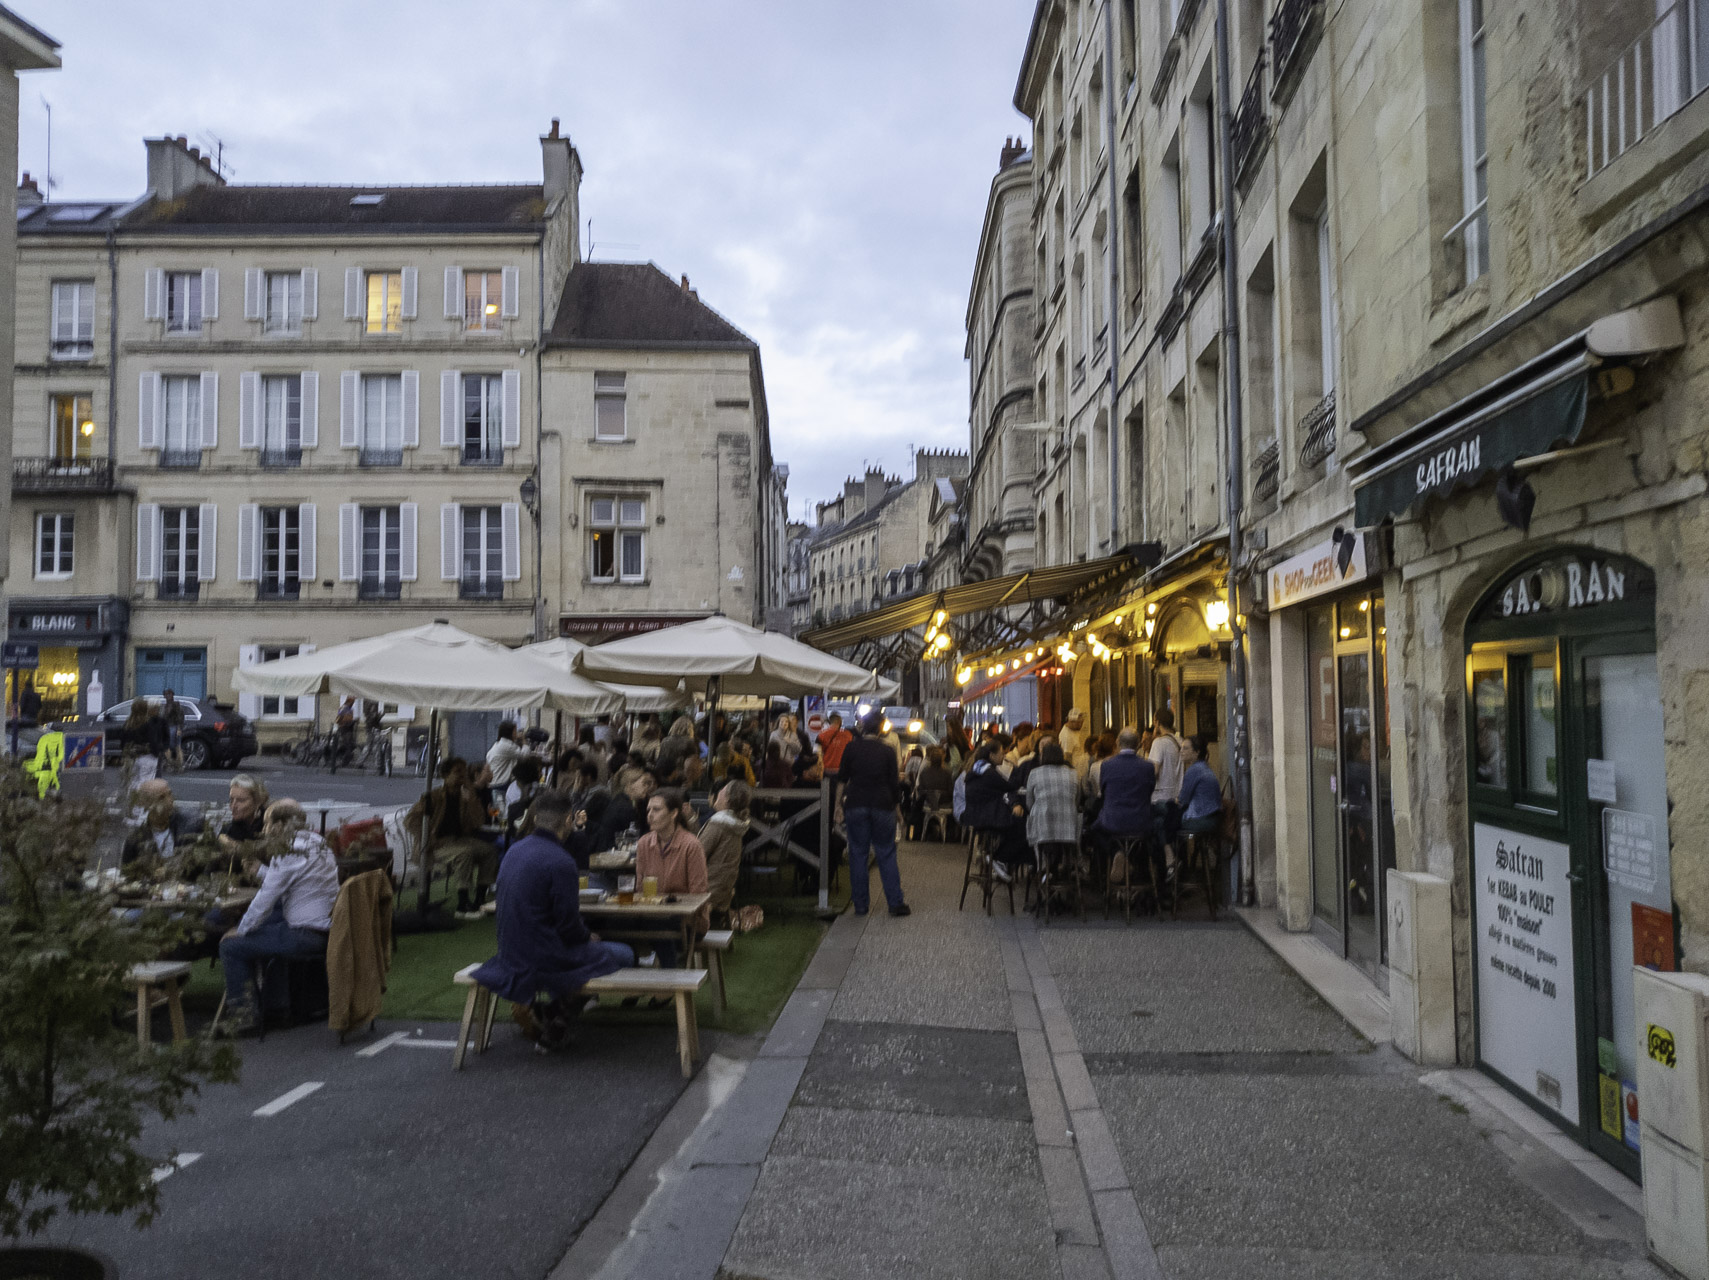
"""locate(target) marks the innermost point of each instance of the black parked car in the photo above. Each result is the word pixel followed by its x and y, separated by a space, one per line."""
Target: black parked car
pixel 215 735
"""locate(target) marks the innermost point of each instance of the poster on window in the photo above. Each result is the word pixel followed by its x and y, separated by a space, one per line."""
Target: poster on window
pixel 1526 1026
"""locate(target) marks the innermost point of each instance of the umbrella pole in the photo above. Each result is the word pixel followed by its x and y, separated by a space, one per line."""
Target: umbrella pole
pixel 425 900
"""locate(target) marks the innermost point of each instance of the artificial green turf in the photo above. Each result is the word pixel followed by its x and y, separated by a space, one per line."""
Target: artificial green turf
pixel 760 971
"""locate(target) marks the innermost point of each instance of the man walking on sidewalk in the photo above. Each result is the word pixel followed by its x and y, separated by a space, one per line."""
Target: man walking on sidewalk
pixel 871 787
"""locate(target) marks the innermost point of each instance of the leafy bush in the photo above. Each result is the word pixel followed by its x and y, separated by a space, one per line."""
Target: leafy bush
pixel 74 1089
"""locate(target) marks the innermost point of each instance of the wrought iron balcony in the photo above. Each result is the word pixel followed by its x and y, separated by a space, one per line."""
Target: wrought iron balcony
pixel 1165 70
pixel 1293 31
pixel 281 459
pixel 1079 376
pixel 62 475
pixel 1317 432
pixel 379 589
pixel 483 455
pixel 1650 80
pixel 1250 128
pixel 1267 472
pixel 180 459
pixel 380 457
pixel 178 589
pixel 481 589
pixel 278 589
pixel 1206 258
pixel 1101 343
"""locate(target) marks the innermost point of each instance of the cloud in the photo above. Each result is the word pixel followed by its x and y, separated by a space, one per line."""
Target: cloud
pixel 819 171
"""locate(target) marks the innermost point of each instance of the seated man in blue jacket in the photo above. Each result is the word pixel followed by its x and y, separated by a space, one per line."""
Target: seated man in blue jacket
pixel 543 943
pixel 1126 781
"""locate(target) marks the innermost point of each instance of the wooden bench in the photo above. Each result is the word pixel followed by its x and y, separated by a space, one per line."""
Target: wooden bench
pixel 156 984
pixel 680 984
pixel 713 944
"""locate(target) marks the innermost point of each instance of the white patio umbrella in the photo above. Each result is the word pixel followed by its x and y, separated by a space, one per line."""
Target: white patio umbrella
pixel 437 666
pixel 565 654
pixel 743 658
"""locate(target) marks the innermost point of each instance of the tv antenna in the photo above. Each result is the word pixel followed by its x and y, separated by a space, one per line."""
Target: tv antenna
pixel 214 147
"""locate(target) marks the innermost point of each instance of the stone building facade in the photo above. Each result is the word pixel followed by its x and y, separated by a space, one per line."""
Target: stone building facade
pixel 1471 322
pixel 250 420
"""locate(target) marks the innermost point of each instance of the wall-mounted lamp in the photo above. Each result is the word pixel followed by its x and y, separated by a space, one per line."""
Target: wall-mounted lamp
pixel 1216 615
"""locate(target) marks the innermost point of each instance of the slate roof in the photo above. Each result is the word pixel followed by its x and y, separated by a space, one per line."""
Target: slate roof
pixel 70 217
pixel 320 210
pixel 634 304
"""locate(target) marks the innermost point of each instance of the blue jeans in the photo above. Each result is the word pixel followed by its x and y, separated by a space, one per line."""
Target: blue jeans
pixel 272 940
pixel 602 958
pixel 874 828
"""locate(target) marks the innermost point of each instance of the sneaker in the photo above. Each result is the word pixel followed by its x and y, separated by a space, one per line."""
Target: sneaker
pixel 649 961
pixel 903 910
pixel 238 1023
pixel 1000 871
pixel 523 1016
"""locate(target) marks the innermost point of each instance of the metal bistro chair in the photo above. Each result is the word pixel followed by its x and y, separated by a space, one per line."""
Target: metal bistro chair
pixel 978 870
pixel 1199 850
pixel 1057 872
pixel 1129 848
pixel 934 808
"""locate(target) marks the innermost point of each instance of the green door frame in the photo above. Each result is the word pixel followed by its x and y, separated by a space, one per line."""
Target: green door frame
pixel 1626 626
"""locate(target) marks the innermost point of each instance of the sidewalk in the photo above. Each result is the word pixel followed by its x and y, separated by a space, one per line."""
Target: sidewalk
pixel 954 1096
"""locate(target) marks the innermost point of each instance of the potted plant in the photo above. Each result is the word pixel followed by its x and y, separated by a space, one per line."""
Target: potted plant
pixel 74 1088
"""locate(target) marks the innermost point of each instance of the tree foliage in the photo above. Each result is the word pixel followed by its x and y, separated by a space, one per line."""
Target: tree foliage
pixel 75 1091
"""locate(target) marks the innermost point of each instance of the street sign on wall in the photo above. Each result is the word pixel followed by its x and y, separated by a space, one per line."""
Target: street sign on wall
pixel 85 750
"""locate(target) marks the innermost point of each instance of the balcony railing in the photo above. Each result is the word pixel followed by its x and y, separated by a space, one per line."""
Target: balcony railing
pixel 1249 130
pixel 178 589
pixel 1165 69
pixel 483 455
pixel 180 459
pixel 278 589
pixel 281 459
pixel 1651 79
pixel 62 475
pixel 1206 258
pixel 1317 432
pixel 1293 28
pixel 380 457
pixel 1267 472
pixel 481 588
pixel 1174 312
pixel 1079 375
pixel 1101 343
pixel 379 589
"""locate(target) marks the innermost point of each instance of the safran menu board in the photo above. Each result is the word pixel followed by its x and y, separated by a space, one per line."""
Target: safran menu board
pixel 1526 1023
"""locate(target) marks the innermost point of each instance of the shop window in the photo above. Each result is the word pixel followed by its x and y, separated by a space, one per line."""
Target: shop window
pixel 1541 763
pixel 1489 709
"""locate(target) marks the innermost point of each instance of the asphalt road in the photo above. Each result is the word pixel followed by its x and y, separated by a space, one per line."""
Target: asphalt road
pixel 392 1165
pixel 282 779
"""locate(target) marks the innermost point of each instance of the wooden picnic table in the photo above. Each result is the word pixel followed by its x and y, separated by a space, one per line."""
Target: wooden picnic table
pixel 612 920
pixel 229 901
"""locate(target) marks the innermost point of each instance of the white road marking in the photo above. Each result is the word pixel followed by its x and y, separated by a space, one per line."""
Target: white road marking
pixel 183 1161
pixel 427 1044
pixel 382 1044
pixel 284 1100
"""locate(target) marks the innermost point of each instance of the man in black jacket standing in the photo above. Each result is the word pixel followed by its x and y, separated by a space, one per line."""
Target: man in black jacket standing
pixel 869 779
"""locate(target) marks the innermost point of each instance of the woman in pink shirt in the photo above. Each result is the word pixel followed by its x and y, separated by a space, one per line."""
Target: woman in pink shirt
pixel 672 853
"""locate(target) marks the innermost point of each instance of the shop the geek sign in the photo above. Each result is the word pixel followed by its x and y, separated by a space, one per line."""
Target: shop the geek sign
pixel 1526 1026
pixel 1314 572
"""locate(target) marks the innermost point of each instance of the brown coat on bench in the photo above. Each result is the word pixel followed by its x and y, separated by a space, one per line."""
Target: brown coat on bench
pixel 359 950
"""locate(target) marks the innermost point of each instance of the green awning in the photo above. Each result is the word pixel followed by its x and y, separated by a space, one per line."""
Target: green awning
pixel 1545 414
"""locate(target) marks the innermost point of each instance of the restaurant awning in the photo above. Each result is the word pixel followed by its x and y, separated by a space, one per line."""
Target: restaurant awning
pixel 1532 409
pixel 1050 583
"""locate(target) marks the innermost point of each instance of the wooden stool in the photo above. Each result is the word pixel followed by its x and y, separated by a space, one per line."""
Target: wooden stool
pixel 480 1004
pixel 713 944
pixel 680 984
pixel 156 984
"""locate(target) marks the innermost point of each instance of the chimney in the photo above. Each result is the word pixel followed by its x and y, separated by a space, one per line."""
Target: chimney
pixel 174 167
pixel 561 171
pixel 876 485
pixel 28 192
pixel 1013 150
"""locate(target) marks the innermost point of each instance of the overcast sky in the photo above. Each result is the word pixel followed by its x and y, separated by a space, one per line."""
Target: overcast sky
pixel 817 169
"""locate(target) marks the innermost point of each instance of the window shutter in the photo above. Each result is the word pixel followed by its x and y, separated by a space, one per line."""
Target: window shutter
pixel 349 542
pixel 154 294
pixel 353 293
pixel 407 523
pixel 349 393
pixel 248 704
pixel 148 542
pixel 311 293
pixel 148 411
pixel 306 541
pixel 210 293
pixel 510 522
pixel 412 408
pixel 249 411
pixel 305 706
pixel 512 293
pixel 408 308
pixel 453 293
pixel 252 293
pixel 248 542
pixel 210 410
pixel 449 383
pixel 311 408
pixel 209 516
pixel 512 408
pixel 450 540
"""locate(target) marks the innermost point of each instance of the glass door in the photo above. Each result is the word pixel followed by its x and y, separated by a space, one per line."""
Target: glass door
pixel 1325 779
